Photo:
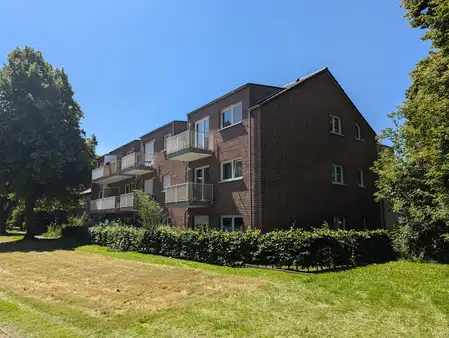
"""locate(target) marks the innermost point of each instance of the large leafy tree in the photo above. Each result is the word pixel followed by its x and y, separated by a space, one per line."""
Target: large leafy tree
pixel 44 154
pixel 414 173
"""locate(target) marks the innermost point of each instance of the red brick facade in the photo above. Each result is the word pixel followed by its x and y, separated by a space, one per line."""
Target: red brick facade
pixel 290 167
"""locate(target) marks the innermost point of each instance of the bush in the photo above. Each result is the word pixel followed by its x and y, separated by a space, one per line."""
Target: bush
pixel 76 227
pixel 322 248
pixel 149 212
pixel 53 231
pixel 17 217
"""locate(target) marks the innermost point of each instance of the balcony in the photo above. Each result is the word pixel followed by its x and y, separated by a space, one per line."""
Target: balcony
pixel 137 163
pixel 189 195
pixel 190 145
pixel 109 173
pixel 104 204
pixel 127 202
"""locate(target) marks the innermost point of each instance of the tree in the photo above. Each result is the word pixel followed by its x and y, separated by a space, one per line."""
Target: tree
pixel 44 153
pixel 414 173
pixel 149 212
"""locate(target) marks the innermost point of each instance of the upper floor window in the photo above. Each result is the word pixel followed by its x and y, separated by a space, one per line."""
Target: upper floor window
pixel 361 178
pixel 128 188
pixel 339 222
pixel 358 131
pixel 337 174
pixel 335 124
pixel 231 115
pixel 166 136
pixel 231 170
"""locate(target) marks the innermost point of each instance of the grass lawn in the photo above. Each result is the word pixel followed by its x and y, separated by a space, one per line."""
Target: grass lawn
pixel 52 288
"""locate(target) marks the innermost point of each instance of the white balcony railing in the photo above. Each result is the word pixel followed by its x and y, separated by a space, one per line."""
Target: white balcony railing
pixel 189 192
pixel 97 173
pixel 127 200
pixel 189 139
pixel 136 158
pixel 107 203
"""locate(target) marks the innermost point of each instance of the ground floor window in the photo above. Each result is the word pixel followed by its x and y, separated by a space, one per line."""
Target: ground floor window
pixel 200 220
pixel 339 222
pixel 231 223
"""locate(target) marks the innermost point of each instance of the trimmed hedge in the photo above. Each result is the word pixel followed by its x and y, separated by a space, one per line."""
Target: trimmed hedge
pixel 320 248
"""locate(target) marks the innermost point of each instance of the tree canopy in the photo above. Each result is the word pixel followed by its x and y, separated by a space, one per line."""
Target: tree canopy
pixel 44 153
pixel 414 174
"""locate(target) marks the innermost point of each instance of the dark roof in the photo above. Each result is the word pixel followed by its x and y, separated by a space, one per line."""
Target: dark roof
pixel 126 144
pixel 230 93
pixel 301 80
pixel 289 86
pixel 161 127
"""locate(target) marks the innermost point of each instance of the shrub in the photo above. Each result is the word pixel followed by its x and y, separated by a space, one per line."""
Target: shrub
pixel 149 212
pixel 76 227
pixel 321 248
pixel 17 216
pixel 53 231
pixel 110 223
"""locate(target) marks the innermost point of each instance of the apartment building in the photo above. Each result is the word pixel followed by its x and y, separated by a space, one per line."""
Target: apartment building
pixel 259 156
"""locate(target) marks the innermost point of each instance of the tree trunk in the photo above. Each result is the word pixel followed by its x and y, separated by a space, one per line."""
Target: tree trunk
pixel 30 218
pixel 2 218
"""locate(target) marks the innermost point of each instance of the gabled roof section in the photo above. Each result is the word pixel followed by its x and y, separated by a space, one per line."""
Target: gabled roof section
pixel 249 84
pixel 162 127
pixel 118 148
pixel 304 79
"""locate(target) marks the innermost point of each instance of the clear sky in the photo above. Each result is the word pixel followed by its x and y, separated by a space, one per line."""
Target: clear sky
pixel 137 64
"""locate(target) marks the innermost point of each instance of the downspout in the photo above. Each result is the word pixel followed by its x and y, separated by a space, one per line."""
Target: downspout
pixel 250 150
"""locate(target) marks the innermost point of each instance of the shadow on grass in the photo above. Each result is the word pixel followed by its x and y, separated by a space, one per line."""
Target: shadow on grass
pixel 40 245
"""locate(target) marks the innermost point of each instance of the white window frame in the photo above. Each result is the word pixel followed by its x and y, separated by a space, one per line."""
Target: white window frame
pixel 199 168
pixel 233 217
pixel 361 178
pixel 166 136
pixel 233 178
pixel 334 174
pixel 233 122
pixel 152 186
pixel 336 222
pixel 130 188
pixel 338 118
pixel 163 182
pixel 358 135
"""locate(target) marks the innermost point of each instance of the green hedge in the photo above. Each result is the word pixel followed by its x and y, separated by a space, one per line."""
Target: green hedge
pixel 293 248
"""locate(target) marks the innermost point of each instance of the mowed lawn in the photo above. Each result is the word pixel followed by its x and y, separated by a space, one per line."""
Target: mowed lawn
pixel 51 288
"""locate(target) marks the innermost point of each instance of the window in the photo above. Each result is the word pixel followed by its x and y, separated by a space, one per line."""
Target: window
pixel 166 136
pixel 358 131
pixel 361 178
pixel 337 174
pixel 166 182
pixel 202 175
pixel 148 186
pixel 231 170
pixel 100 195
pixel 339 222
pixel 335 124
pixel 232 223
pixel 128 188
pixel 363 222
pixel 231 115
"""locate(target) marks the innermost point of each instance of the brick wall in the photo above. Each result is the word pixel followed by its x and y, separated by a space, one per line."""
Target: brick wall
pixel 297 152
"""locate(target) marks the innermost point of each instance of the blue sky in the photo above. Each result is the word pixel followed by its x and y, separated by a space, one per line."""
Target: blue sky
pixel 137 64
